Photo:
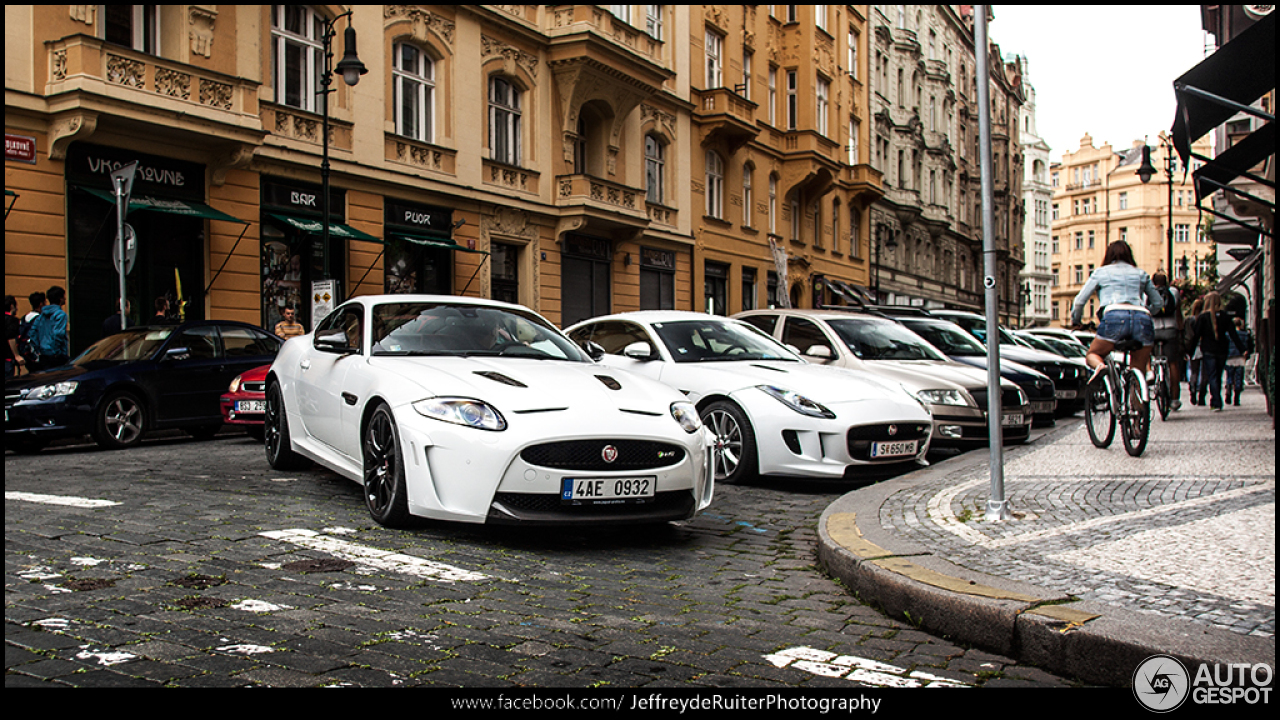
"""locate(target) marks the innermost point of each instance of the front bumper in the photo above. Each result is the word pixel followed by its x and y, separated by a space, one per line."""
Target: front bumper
pixel 43 420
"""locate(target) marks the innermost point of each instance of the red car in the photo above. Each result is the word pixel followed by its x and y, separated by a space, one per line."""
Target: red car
pixel 245 401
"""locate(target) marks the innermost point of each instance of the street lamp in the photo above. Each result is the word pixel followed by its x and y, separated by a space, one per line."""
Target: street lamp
pixel 1145 172
pixel 886 235
pixel 350 68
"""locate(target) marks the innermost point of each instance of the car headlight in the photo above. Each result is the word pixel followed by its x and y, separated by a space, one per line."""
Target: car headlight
pixel 45 392
pixel 687 415
pixel 1022 397
pixel 235 385
pixel 797 402
pixel 462 411
pixel 946 397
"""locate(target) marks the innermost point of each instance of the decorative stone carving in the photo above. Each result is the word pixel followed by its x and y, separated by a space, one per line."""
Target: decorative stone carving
pixel 67 130
pixel 423 20
pixel 200 21
pixel 123 71
pixel 490 47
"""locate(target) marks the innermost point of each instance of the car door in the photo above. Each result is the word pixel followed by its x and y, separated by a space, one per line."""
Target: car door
pixel 805 335
pixel 322 375
pixel 191 376
pixel 615 336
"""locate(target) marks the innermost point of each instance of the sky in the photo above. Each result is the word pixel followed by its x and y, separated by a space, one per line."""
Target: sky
pixel 1107 70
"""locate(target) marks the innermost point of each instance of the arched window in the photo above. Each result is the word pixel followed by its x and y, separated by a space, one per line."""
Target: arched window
pixel 748 212
pixel 715 185
pixel 413 79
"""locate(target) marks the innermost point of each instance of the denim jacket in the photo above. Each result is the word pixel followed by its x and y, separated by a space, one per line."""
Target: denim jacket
pixel 1116 284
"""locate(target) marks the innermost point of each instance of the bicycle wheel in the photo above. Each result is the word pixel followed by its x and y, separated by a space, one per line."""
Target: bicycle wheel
pixel 1135 423
pixel 1163 393
pixel 1097 413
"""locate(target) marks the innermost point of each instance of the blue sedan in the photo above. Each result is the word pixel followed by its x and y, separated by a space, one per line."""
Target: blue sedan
pixel 142 379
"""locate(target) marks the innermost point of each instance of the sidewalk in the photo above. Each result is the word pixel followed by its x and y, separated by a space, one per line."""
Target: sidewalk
pixel 1108 560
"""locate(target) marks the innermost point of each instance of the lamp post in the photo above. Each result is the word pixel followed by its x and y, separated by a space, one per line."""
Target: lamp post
pixel 350 68
pixel 1145 171
pixel 886 235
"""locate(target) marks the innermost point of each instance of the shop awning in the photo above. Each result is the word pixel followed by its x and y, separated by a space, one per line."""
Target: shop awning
pixel 435 241
pixel 1241 272
pixel 1225 83
pixel 315 227
pixel 1236 161
pixel 187 208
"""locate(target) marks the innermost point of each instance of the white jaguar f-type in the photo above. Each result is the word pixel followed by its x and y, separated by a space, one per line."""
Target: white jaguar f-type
pixel 772 413
pixel 478 411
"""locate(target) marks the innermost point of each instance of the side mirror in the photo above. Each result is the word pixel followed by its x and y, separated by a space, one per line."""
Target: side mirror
pixel 177 353
pixel 593 350
pixel 641 351
pixel 332 341
pixel 822 352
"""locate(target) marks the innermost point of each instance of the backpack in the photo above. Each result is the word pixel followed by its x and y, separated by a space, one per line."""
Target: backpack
pixel 27 341
pixel 1170 303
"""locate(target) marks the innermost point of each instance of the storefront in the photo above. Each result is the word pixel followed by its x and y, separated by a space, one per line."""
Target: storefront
pixel 585 278
pixel 169 217
pixel 418 256
pixel 294 254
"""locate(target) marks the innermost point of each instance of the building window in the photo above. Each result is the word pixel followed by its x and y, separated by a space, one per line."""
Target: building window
pixel 773 204
pixel 773 96
pixel 133 26
pixel 504 272
pixel 414 86
pixel 748 289
pixel 855 236
pixel 835 225
pixel 715 186
pixel 504 121
pixel 1124 201
pixel 748 170
pixel 795 220
pixel 654 169
pixel 747 56
pixel 657 279
pixel 852 55
pixel 820 16
pixel 823 94
pixel 1181 233
pixel 715 48
pixel 296 37
pixel 653 21
pixel 716 288
pixel 792 107
pixel 622 12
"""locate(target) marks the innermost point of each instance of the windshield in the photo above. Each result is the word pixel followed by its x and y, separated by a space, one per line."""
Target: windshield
pixel 1065 348
pixel 948 338
pixel 127 346
pixel 871 340
pixel 977 327
pixel 719 340
pixel 466 331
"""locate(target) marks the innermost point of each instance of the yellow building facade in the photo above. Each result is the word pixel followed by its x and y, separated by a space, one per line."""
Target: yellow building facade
pixel 555 156
pixel 1098 199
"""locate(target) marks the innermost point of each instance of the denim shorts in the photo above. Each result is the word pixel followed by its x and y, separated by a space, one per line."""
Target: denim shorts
pixel 1118 325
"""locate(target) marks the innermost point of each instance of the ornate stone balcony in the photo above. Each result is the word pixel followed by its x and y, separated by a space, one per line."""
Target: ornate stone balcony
pixel 725 117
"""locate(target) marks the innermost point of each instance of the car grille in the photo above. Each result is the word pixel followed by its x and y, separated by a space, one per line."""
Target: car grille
pixel 859 438
pixel 1008 398
pixel 254 387
pixel 591 455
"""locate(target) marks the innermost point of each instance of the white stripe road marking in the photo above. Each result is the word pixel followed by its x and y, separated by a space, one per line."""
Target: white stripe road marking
pixel 861 670
pixel 379 559
pixel 69 500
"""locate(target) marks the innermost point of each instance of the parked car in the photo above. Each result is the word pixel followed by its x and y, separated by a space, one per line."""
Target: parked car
pixel 955 393
pixel 476 411
pixel 960 346
pixel 245 401
pixel 1060 333
pixel 772 413
pixel 1069 376
pixel 1070 349
pixel 142 379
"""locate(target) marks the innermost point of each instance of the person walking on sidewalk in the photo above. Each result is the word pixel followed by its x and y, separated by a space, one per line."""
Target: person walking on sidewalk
pixel 1125 293
pixel 1212 331
pixel 1237 356
pixel 1168 326
pixel 1193 351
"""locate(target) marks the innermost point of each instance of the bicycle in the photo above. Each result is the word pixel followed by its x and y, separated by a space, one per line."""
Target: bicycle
pixel 1130 408
pixel 1162 381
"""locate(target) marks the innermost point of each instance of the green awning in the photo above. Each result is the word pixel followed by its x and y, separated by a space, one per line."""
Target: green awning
pixel 436 241
pixel 187 208
pixel 316 227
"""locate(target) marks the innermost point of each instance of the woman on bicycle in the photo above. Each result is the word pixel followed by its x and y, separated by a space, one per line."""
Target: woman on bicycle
pixel 1128 297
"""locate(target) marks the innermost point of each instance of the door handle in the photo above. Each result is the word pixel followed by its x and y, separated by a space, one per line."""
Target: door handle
pixel 349 399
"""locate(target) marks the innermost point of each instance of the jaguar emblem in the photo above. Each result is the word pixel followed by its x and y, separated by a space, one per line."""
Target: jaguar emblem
pixel 893 430
pixel 609 453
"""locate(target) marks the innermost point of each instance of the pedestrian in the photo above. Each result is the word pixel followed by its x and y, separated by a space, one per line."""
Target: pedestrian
pixel 1237 356
pixel 49 330
pixel 289 327
pixel 13 360
pixel 1193 350
pixel 115 323
pixel 27 349
pixel 1213 331
pixel 162 312
pixel 1168 327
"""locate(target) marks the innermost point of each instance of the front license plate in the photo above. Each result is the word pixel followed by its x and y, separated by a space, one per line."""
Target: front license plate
pixel 251 406
pixel 597 490
pixel 893 449
pixel 1012 419
pixel 1042 407
pixel 1065 394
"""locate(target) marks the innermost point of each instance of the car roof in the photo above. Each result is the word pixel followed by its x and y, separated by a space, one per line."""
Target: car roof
pixel 825 313
pixel 655 316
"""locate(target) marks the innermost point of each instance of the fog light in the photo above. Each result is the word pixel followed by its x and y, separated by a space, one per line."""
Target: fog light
pixel 951 431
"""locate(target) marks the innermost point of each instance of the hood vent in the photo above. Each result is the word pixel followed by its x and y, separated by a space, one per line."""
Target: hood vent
pixel 499 377
pixel 609 382
pixel 767 367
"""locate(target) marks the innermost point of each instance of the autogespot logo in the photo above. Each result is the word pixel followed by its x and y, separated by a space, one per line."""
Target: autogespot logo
pixel 1161 683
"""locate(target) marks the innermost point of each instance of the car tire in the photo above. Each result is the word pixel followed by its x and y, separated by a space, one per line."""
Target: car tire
pixel 120 422
pixel 280 454
pixel 735 444
pixel 384 489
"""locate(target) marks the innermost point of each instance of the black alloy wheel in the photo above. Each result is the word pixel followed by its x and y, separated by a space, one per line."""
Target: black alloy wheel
pixel 385 493
pixel 275 425
pixel 734 450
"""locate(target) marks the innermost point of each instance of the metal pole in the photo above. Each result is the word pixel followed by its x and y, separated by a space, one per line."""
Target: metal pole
pixel 121 201
pixel 997 508
pixel 1167 146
